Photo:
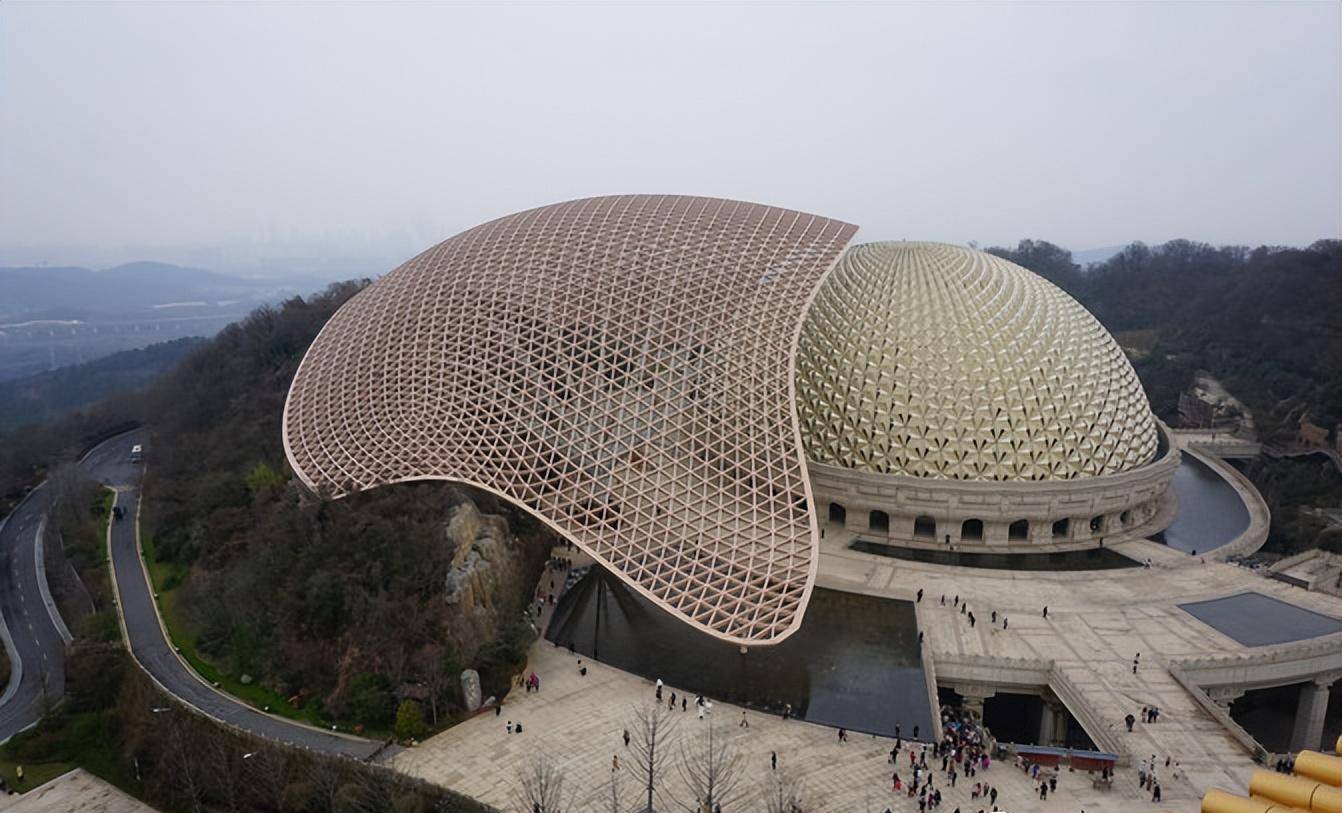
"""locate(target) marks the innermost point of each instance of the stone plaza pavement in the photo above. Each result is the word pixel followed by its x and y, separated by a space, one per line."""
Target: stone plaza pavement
pixel 1096 625
pixel 578 721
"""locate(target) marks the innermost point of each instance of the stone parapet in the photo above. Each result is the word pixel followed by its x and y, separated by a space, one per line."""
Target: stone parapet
pixel 995 516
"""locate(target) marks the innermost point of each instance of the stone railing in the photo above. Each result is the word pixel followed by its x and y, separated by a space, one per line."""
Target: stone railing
pixel 993 670
pixel 1104 733
pixel 1219 714
pixel 1279 666
pixel 929 675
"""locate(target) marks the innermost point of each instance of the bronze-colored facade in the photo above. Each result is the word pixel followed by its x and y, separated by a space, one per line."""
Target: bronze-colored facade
pixel 622 367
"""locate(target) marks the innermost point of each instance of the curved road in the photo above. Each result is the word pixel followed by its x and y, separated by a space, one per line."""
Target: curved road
pixel 34 643
pixel 150 647
pixel 36 636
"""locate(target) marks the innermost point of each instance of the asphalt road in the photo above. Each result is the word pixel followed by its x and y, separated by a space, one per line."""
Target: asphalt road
pixel 37 646
pixel 36 649
pixel 151 649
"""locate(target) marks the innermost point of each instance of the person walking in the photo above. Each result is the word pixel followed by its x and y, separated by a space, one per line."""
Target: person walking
pixel 1129 720
pixel 843 735
pixel 920 596
pixel 614 763
pixel 773 760
pixel 744 722
pixel 659 690
pixel 1046 611
pixel 626 738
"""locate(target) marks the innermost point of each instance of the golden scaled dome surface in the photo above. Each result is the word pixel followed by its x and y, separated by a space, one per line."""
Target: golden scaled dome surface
pixel 939 361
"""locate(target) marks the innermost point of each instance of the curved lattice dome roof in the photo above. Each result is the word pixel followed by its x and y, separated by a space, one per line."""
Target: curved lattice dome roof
pixel 621 367
pixel 939 361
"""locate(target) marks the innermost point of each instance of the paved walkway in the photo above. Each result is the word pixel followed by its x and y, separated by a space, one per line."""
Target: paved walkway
pixel 149 646
pixel 1094 629
pixel 75 792
pixel 577 721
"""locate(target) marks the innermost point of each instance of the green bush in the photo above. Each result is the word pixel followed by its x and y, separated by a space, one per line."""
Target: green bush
pixel 410 721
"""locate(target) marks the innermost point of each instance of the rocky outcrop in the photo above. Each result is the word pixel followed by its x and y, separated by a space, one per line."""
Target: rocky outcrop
pixel 489 574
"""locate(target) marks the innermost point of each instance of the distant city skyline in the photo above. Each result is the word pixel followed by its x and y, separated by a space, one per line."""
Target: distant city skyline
pixel 369 132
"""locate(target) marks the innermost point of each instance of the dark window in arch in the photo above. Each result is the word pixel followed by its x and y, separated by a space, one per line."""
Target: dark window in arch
pixel 972 529
pixel 1061 527
pixel 1096 523
pixel 879 521
pixel 925 527
pixel 1125 518
pixel 837 513
pixel 1019 530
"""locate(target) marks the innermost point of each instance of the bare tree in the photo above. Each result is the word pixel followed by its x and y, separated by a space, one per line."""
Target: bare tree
pixel 711 767
pixel 783 794
pixel 652 728
pixel 541 787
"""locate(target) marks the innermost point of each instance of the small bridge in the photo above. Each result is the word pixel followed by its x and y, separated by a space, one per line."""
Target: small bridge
pixel 1224 445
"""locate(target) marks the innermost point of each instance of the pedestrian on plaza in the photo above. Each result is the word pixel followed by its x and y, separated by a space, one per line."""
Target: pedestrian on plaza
pixel 943 599
pixel 1129 720
pixel 659 690
pixel 683 703
pixel 744 722
pixel 915 732
pixel 992 796
pixel 971 620
pixel 773 760
pixel 626 738
pixel 957 599
pixel 920 637
pixel 1155 792
pixel 1004 622
pixel 843 735
pixel 1046 611
pixel 920 596
pixel 509 727
pixel 994 617
pixel 701 712
pixel 614 763
pixel 498 708
pixel 671 704
pixel 1053 784
pixel 787 711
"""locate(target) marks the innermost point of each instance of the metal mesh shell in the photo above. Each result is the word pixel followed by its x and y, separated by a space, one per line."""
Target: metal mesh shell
pixel 621 367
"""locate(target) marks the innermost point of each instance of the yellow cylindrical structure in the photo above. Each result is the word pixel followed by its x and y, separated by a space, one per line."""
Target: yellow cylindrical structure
pixel 1326 800
pixel 1282 789
pixel 1327 769
pixel 1218 801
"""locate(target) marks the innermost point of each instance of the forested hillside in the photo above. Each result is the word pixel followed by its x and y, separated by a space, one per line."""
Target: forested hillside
pixel 345 605
pixel 46 396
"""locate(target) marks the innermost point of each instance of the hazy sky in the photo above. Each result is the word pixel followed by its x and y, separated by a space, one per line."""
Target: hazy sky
pixel 1088 124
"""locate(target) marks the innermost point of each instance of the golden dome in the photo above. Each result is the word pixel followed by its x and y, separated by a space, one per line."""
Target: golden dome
pixel 938 361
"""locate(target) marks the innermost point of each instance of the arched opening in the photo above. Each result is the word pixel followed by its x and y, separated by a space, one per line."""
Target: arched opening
pixel 972 530
pixel 1097 524
pixel 925 527
pixel 879 521
pixel 1125 519
pixel 1060 528
pixel 1018 531
pixel 837 514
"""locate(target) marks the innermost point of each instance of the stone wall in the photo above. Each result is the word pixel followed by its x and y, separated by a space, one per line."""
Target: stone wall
pixel 1014 516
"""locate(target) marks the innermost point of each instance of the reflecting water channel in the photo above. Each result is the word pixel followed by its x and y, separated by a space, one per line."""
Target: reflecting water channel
pixel 854 662
pixel 1211 513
